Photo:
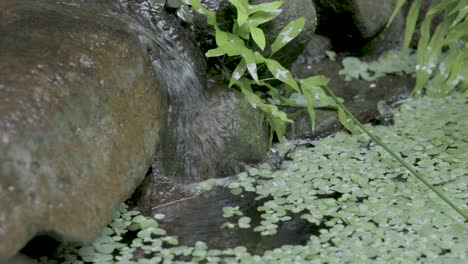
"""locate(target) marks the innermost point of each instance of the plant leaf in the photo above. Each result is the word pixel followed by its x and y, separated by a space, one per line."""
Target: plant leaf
pixel 215 52
pixel 317 80
pixel 397 9
pixel 258 36
pixel 411 20
pixel 265 7
pixel 199 8
pixel 250 62
pixel 238 72
pixel 288 33
pixel 242 10
pixel 262 17
pixel 281 73
pixel 346 121
pixel 309 96
pixel 230 43
pixel 242 32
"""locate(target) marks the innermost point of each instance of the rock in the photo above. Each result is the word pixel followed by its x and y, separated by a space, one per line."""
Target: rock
pixel 241 136
pixel 290 11
pixel 351 23
pixel 89 95
pixel 314 52
pixel 80 114
pixel 371 16
pixel 224 131
pixel 390 38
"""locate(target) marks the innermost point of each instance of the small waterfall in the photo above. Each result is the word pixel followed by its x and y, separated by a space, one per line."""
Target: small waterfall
pixel 189 140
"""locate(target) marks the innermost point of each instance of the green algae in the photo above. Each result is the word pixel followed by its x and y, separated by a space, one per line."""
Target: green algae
pixel 366 207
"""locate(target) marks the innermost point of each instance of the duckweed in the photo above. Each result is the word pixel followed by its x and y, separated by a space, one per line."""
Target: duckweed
pixel 365 206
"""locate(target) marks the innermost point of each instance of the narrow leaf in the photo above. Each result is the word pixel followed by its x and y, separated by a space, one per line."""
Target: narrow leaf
pixel 242 10
pixel 199 8
pixel 411 20
pixel 396 10
pixel 249 58
pixel 265 7
pixel 309 96
pixel 262 17
pixel 238 72
pixel 346 121
pixel 281 73
pixel 215 52
pixel 317 80
pixel 230 43
pixel 288 33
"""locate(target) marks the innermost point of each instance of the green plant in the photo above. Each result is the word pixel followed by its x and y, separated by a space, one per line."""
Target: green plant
pixel 441 55
pixel 234 44
pixel 392 62
pixel 250 62
pixel 333 186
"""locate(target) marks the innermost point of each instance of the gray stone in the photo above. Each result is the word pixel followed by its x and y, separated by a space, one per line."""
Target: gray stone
pixel 371 16
pixel 351 23
pixel 291 10
pixel 314 52
pixel 76 84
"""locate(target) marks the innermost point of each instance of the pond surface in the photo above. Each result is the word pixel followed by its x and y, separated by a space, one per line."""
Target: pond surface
pixel 338 199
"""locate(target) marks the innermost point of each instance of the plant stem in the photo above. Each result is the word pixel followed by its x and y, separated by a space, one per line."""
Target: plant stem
pixel 401 160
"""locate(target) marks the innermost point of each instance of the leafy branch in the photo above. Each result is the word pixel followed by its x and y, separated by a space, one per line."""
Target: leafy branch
pixel 245 76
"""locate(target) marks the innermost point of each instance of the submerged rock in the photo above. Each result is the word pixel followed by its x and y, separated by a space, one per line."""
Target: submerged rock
pixel 360 96
pixel 80 114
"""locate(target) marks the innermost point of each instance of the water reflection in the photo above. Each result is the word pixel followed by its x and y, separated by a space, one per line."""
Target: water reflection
pixel 200 218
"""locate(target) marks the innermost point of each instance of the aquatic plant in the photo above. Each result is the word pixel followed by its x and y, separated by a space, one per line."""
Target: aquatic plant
pixel 392 62
pixel 442 53
pixel 365 207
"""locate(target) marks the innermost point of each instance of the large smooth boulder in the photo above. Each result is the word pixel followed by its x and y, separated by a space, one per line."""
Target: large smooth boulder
pixel 80 113
pixel 351 23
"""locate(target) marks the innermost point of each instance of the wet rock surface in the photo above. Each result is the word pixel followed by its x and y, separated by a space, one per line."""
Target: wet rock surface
pixel 88 91
pixel 241 138
pixel 76 84
pixel 352 23
pixel 91 92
